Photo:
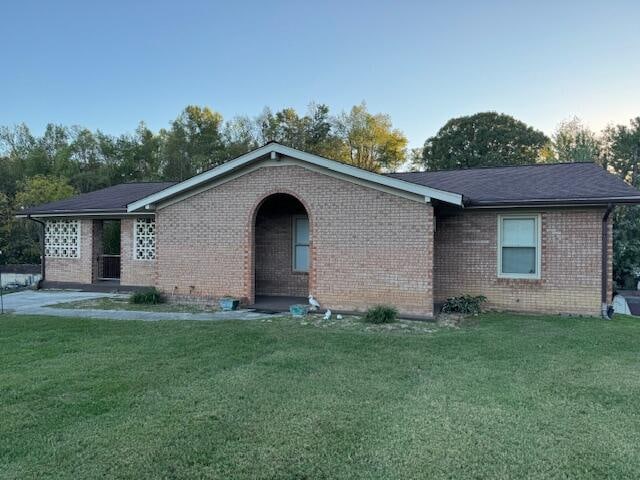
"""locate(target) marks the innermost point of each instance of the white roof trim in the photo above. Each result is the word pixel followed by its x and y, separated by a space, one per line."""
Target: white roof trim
pixel 276 148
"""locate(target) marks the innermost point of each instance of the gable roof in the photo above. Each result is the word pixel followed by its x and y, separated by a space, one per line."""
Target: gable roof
pixel 107 200
pixel 528 185
pixel 273 150
pixel 539 184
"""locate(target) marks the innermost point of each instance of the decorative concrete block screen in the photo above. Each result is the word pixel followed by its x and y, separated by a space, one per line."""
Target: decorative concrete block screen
pixel 62 238
pixel 145 239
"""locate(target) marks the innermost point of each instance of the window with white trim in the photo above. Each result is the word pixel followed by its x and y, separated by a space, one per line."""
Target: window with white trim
pixel 62 239
pixel 300 243
pixel 144 239
pixel 519 246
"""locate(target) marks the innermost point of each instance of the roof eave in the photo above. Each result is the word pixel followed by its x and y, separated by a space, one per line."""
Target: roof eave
pixel 553 202
pixel 79 213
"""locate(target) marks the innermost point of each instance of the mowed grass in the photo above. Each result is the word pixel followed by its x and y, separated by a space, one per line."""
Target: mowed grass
pixel 108 303
pixel 508 397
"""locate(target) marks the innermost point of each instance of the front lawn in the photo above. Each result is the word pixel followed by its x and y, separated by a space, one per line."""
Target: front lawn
pixel 507 397
pixel 123 303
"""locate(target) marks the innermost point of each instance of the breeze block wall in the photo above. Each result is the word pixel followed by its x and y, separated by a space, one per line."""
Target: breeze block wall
pixel 466 255
pixel 77 270
pixel 367 246
pixel 133 272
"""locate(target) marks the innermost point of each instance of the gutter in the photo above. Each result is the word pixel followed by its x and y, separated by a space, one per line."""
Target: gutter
pixel 607 309
pixel 42 255
pixel 555 202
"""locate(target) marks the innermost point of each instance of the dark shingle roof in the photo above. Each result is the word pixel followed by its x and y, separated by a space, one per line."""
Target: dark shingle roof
pixel 560 183
pixel 110 199
pixel 543 184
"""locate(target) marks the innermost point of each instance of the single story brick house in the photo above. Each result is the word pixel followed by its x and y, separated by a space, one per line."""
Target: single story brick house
pixel 281 222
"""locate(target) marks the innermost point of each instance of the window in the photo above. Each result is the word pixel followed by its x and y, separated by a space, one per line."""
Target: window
pixel 301 244
pixel 144 239
pixel 62 239
pixel 519 246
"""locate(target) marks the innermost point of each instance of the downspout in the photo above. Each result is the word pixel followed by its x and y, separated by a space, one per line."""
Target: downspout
pixel 607 310
pixel 42 256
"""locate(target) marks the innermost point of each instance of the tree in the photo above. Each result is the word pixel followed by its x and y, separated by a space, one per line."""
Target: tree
pixel 369 141
pixel 483 139
pixel 193 143
pixel 622 156
pixel 575 142
pixel 626 246
pixel 240 136
pixel 42 189
pixel 622 150
pixel 18 239
pixel 312 132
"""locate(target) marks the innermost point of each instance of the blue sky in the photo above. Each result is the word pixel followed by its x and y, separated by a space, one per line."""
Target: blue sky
pixel 108 65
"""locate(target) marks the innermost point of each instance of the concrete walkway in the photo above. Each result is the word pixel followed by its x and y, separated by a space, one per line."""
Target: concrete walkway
pixel 31 302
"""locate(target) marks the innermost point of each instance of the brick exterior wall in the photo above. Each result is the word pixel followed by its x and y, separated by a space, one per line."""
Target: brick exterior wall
pixel 367 246
pixel 466 261
pixel 75 269
pixel 274 249
pixel 133 272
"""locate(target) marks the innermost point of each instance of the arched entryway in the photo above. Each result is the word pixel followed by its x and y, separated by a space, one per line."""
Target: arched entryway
pixel 282 249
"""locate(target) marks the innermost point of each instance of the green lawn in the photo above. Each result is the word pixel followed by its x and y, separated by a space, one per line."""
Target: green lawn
pixel 108 303
pixel 506 397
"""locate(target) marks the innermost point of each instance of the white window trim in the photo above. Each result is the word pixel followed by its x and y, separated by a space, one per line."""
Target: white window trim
pixel 135 240
pixel 538 223
pixel 294 218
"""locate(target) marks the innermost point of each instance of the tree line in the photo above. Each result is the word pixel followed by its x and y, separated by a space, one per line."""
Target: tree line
pixel 63 160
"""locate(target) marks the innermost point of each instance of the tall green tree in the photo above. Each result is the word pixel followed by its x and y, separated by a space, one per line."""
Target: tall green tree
pixel 622 150
pixel 622 156
pixel 193 143
pixel 312 132
pixel 369 141
pixel 19 239
pixel 42 189
pixel 483 139
pixel 240 136
pixel 573 141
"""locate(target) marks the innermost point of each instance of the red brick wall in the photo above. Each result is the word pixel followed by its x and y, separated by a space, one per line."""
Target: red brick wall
pixel 74 269
pixel 466 262
pixel 367 246
pixel 274 246
pixel 132 271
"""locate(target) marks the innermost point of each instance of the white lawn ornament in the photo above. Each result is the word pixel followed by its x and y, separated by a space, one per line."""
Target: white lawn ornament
pixel 314 303
pixel 338 317
pixel 327 315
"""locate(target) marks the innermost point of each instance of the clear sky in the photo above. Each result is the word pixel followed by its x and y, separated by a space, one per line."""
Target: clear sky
pixel 107 65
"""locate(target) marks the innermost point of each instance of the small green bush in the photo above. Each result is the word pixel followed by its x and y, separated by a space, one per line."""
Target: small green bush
pixel 381 314
pixel 148 296
pixel 465 304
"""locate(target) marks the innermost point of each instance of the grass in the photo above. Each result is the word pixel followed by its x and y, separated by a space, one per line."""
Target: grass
pixel 508 397
pixel 121 303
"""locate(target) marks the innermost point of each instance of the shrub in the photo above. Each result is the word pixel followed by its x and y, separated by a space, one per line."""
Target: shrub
pixel 381 314
pixel 148 296
pixel 465 304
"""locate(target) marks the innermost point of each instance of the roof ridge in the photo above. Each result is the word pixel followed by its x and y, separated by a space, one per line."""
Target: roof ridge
pixel 495 167
pixel 145 181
